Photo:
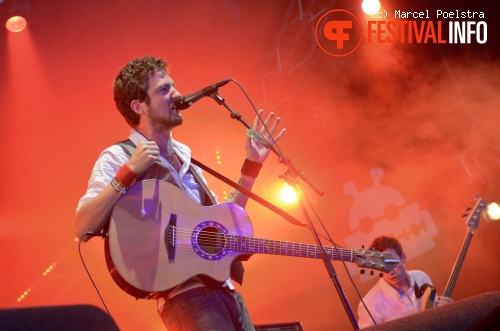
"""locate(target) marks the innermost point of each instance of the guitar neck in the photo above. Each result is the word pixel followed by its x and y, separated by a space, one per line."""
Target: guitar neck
pixel 286 248
pixel 458 265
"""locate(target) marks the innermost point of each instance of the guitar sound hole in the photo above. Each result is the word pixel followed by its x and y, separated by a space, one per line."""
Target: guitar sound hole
pixel 211 240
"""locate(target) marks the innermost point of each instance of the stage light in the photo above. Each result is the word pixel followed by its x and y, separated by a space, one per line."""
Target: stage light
pixel 16 24
pixel 288 194
pixel 492 212
pixel 370 6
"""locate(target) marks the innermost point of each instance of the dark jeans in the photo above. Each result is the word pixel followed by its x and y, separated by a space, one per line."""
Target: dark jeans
pixel 204 309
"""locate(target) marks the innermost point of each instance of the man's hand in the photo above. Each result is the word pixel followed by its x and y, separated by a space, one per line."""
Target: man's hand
pixel 146 153
pixel 256 150
pixel 442 301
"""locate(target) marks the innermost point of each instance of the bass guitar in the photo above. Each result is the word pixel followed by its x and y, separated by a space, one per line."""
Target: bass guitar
pixel 158 238
pixel 472 215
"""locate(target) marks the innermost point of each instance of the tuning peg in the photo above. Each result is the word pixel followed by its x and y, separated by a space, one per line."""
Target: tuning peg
pixel 362 271
pixel 381 275
pixel 371 273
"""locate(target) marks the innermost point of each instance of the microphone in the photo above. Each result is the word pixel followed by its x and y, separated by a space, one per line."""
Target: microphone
pixel 188 100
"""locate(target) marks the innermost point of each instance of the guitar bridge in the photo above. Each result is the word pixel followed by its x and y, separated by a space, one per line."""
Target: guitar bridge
pixel 170 239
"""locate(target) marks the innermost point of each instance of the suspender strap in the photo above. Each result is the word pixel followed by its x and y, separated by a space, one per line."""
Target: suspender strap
pixel 209 198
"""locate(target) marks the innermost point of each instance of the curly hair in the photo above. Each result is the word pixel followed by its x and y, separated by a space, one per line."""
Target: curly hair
pixel 383 242
pixel 132 82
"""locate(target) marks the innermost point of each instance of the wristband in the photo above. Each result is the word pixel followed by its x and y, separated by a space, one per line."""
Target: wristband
pixel 118 186
pixel 251 168
pixel 125 176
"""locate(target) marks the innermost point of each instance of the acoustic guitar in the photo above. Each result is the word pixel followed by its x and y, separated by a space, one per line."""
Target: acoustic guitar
pixel 158 238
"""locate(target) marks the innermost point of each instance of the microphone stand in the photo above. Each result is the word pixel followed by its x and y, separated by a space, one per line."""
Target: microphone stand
pixel 290 176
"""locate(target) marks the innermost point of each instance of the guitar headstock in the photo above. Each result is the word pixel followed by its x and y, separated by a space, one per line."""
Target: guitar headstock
pixel 473 215
pixel 375 260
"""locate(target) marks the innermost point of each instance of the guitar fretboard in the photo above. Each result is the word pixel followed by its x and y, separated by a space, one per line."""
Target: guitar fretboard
pixel 276 247
pixel 458 266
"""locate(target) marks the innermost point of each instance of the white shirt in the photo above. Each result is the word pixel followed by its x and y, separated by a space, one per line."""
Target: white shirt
pixel 112 158
pixel 385 303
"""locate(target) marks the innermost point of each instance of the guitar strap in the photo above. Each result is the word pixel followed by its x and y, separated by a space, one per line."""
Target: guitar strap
pixel 162 172
pixel 417 291
pixel 250 194
pixel 427 293
pixel 420 289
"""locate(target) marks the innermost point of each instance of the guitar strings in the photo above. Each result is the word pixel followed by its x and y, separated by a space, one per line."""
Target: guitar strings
pixel 214 239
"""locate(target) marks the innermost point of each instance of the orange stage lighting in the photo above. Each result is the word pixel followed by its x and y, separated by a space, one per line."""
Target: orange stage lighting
pixel 370 6
pixel 16 24
pixel 492 212
pixel 288 194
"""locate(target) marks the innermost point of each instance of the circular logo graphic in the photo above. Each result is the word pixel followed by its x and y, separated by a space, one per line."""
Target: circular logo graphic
pixel 338 32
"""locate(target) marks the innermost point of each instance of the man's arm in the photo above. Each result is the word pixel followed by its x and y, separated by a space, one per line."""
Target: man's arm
pixel 256 154
pixel 94 213
pixel 236 196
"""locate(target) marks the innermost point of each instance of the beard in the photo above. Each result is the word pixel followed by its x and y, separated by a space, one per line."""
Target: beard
pixel 163 123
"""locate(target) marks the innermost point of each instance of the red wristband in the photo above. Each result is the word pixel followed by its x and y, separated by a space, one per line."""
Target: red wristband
pixel 126 176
